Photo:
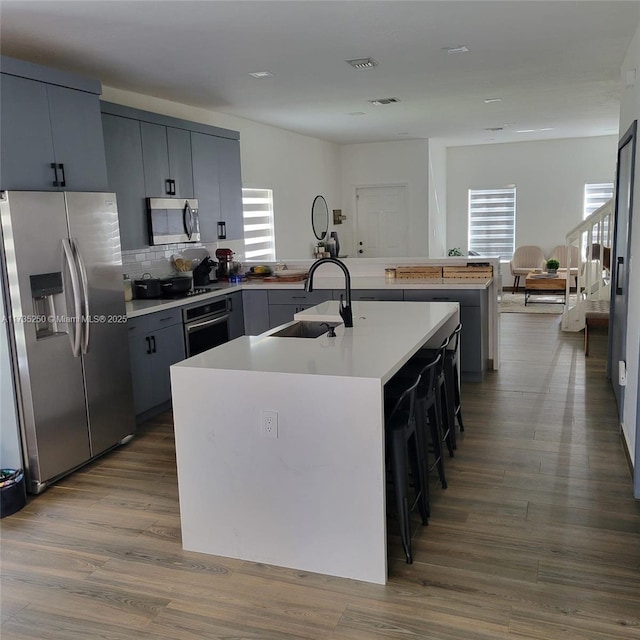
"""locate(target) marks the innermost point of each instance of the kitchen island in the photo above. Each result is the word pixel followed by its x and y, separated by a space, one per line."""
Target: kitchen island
pixel 302 485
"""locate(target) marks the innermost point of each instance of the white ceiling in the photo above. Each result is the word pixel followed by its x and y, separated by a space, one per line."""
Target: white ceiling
pixel 555 64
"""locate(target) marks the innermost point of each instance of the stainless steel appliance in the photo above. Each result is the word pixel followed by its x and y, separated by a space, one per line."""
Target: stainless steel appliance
pixel 173 220
pixel 206 325
pixel 64 305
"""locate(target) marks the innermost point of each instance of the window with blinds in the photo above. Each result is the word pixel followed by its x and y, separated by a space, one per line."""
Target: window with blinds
pixel 595 195
pixel 492 222
pixel 259 236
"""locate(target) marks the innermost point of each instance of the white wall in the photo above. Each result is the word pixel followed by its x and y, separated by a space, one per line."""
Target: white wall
pixel 630 111
pixel 437 199
pixel 296 167
pixel 549 177
pixel 388 163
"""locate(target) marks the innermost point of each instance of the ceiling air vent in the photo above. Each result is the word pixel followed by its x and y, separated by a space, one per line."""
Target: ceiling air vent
pixel 494 129
pixel 381 101
pixel 362 63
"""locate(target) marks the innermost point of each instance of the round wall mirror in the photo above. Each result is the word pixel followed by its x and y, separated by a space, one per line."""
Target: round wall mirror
pixel 320 217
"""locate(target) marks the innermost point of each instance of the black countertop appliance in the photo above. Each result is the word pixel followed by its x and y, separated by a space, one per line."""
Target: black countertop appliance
pixel 201 274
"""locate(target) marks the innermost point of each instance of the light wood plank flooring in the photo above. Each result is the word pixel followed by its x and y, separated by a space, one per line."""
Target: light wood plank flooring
pixel 537 536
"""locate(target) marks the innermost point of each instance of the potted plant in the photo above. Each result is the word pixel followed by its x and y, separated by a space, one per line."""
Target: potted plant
pixel 552 265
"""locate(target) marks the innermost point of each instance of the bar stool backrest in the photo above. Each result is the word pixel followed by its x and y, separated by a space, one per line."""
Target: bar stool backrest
pixel 428 377
pixel 455 337
pixel 406 403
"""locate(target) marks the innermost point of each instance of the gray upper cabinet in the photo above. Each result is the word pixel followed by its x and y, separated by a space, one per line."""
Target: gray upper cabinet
pixel 44 124
pixel 155 156
pixel 166 153
pixel 123 150
pixel 230 187
pixel 206 183
pixel 217 183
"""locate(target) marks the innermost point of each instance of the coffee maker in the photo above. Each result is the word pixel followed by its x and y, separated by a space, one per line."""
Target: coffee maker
pixel 225 263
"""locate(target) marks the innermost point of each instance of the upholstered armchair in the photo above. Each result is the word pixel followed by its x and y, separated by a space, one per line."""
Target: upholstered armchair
pixel 525 259
pixel 561 252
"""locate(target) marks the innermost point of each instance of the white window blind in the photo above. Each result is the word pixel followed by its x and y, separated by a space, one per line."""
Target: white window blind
pixel 259 236
pixel 492 221
pixel 595 195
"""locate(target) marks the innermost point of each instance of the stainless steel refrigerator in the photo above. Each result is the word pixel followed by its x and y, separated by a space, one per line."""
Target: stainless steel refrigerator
pixel 64 305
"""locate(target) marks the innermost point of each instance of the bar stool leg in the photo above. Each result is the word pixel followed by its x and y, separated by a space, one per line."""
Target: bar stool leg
pixel 420 475
pixel 457 410
pixel 401 488
pixel 436 440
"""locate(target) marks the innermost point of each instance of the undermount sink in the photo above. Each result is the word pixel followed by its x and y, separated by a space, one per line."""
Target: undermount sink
pixel 304 329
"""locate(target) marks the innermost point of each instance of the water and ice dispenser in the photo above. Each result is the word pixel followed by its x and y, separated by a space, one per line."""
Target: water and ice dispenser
pixel 47 293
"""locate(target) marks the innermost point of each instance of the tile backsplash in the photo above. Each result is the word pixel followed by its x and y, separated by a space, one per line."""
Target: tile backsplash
pixel 157 260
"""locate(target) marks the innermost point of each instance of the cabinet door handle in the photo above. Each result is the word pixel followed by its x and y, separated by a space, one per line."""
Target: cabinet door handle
pixel 168 187
pixel 64 180
pixel 153 342
pixel 222 230
pixel 56 182
pixel 148 339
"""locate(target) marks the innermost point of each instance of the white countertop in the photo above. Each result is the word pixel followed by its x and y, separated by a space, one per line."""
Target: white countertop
pixel 384 336
pixel 137 308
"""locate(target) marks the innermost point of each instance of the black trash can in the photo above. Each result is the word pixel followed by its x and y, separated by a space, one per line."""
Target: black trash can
pixel 13 494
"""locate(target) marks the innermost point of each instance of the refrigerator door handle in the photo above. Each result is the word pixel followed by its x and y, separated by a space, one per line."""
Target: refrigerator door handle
pixel 86 313
pixel 75 334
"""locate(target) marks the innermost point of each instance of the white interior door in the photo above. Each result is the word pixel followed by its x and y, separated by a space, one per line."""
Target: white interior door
pixel 381 222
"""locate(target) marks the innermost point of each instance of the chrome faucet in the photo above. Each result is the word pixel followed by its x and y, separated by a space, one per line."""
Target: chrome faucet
pixel 345 309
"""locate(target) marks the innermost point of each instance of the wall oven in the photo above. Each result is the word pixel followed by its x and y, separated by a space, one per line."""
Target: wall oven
pixel 206 325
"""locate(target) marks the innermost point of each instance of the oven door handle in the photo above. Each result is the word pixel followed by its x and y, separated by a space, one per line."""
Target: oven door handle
pixel 193 326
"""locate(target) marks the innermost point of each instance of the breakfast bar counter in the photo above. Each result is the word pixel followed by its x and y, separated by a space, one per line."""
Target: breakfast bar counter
pixel 280 440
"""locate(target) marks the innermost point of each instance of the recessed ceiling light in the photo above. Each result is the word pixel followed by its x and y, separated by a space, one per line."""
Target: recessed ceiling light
pixel 547 129
pixel 362 63
pixel 261 74
pixel 460 48
pixel 490 100
pixel 356 113
pixel 526 131
pixel 380 101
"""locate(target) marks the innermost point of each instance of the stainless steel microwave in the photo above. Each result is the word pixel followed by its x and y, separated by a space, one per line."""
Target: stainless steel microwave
pixel 173 220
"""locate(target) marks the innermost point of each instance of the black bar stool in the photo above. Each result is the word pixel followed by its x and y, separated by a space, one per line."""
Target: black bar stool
pixel 403 449
pixel 428 411
pixel 452 375
pixel 447 424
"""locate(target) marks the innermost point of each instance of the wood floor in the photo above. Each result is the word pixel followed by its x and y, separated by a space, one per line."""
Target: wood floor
pixel 537 536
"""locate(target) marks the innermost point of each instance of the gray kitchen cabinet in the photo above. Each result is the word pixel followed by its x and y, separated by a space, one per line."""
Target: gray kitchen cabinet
pixel 163 154
pixel 156 341
pixel 284 303
pixel 236 315
pixel 51 134
pixel 372 295
pixel 474 339
pixel 230 176
pixel 166 153
pixel 256 312
pixel 217 184
pixel 206 184
pixel 125 169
